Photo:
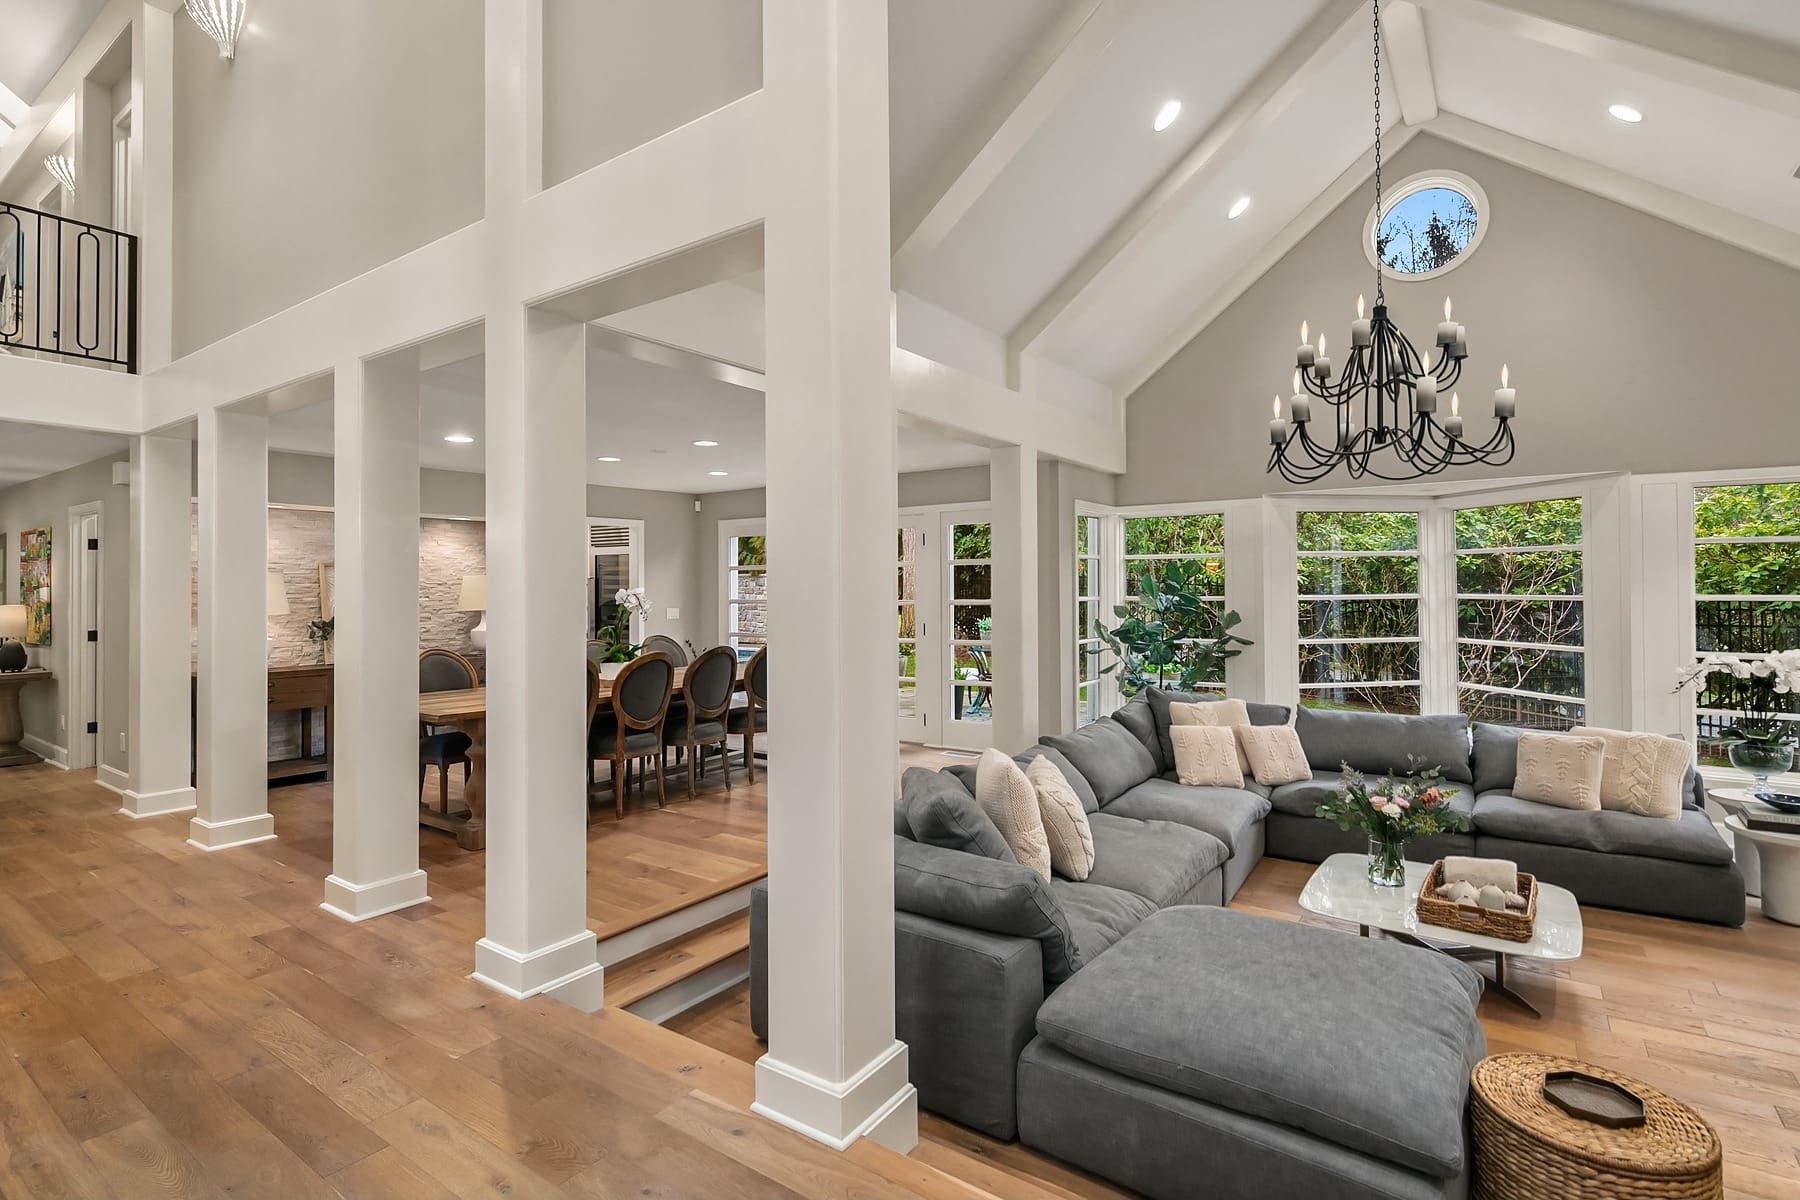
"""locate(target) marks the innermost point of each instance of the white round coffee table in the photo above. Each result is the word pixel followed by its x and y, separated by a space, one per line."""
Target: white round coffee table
pixel 1734 801
pixel 1779 854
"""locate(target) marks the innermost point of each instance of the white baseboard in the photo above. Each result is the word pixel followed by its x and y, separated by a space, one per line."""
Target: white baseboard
pixel 56 756
pixel 112 779
pixel 139 805
pixel 361 901
pixel 877 1102
pixel 222 835
pixel 565 971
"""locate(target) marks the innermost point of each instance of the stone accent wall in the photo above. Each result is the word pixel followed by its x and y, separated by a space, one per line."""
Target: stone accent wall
pixel 299 541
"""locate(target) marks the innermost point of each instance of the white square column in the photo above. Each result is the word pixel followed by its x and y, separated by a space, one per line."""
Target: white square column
pixel 834 1070
pixel 537 935
pixel 1013 497
pixel 159 728
pixel 233 800
pixel 375 604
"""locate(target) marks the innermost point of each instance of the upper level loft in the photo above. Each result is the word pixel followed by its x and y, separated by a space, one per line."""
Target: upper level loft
pixel 68 289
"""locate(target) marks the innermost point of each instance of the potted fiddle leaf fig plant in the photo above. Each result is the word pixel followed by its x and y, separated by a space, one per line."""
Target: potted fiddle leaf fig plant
pixel 1172 635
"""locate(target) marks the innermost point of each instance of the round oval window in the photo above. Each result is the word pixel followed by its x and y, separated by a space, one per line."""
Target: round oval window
pixel 1432 223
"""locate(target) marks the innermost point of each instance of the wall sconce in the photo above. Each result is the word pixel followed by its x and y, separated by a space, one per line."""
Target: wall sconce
pixel 62 169
pixel 220 20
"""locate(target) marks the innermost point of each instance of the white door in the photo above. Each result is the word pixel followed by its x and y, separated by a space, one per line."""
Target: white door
pixel 915 576
pixel 84 714
pixel 966 637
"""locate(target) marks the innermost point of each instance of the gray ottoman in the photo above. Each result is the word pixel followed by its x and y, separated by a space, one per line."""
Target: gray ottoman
pixel 1213 1053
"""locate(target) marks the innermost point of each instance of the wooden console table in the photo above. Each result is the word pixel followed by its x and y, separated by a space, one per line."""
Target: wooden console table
pixel 12 725
pixel 301 689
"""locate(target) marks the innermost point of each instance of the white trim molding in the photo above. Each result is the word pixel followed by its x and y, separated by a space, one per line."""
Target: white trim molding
pixel 222 835
pixel 568 971
pixel 139 805
pixel 360 901
pixel 112 779
pixel 877 1102
pixel 50 752
pixel 1412 185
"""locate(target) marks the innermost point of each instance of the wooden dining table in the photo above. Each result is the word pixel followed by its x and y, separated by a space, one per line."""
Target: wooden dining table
pixel 465 709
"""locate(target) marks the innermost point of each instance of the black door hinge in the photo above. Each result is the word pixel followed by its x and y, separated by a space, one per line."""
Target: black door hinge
pixel 93 727
pixel 93 635
pixel 93 543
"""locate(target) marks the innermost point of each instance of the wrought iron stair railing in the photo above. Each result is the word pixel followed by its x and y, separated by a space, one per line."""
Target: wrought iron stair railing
pixel 67 288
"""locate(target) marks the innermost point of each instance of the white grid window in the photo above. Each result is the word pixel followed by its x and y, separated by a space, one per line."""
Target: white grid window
pixel 1520 614
pixel 747 591
pixel 907 606
pixel 1358 581
pixel 1746 590
pixel 1088 645
pixel 1152 543
pixel 971 591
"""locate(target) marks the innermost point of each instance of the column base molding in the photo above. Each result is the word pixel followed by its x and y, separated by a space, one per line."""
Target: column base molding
pixel 877 1102
pixel 221 835
pixel 138 805
pixel 360 901
pixel 568 971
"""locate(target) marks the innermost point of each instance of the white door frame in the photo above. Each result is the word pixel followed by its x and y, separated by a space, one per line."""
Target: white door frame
pixel 729 529
pixel 925 722
pixel 962 735
pixel 634 563
pixel 84 693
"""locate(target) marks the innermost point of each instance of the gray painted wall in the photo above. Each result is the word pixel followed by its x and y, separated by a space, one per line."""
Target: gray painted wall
pixel 44 503
pixel 1635 345
pixel 620 73
pixel 296 170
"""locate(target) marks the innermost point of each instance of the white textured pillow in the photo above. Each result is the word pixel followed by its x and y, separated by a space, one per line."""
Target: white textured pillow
pixel 1644 771
pixel 1206 756
pixel 1275 753
pixel 1212 712
pixel 1066 828
pixel 1561 769
pixel 1011 803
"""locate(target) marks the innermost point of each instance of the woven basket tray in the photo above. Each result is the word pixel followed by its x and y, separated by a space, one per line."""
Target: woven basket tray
pixel 1501 923
pixel 1528 1149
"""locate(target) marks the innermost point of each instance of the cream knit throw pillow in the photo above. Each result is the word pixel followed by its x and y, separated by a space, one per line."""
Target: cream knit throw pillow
pixel 1643 772
pixel 1066 828
pixel 1206 756
pixel 1560 769
pixel 1275 753
pixel 1212 712
pixel 1011 803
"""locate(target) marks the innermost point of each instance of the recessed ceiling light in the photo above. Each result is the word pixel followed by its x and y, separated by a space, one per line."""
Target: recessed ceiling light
pixel 718 472
pixel 1238 208
pixel 606 458
pixel 458 439
pixel 1165 116
pixel 706 442
pixel 1626 113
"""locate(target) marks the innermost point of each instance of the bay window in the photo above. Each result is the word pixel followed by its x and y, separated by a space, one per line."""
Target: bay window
pixel 1358 590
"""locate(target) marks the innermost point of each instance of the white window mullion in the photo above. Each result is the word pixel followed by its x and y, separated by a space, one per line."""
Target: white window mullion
pixel 1439 664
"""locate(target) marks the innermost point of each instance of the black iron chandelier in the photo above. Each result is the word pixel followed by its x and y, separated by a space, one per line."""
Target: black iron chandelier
pixel 1383 408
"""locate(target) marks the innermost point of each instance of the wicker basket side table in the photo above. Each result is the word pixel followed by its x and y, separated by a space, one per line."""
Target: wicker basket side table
pixel 1528 1149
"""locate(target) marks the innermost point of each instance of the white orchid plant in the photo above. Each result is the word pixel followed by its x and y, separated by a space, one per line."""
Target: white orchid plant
pixel 1768 681
pixel 632 602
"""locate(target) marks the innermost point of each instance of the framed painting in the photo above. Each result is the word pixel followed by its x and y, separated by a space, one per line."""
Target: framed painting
pixel 34 585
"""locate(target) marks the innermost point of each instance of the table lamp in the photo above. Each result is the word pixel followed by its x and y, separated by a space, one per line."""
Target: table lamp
pixel 278 607
pixel 12 633
pixel 474 599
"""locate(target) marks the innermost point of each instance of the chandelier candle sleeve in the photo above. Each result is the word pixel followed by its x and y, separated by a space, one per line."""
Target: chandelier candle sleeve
pixel 1446 328
pixel 1277 427
pixel 1359 328
pixel 1322 365
pixel 1506 398
pixel 1454 425
pixel 1300 406
pixel 1305 354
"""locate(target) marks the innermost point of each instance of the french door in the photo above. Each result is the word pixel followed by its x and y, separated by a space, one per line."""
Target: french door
pixel 944 635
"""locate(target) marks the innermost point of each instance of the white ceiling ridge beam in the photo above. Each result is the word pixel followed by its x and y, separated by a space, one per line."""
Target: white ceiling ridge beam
pixel 1266 97
pixel 1739 66
pixel 1354 178
pixel 1409 62
pixel 950 401
pixel 1678 208
pixel 1060 60
pixel 679 358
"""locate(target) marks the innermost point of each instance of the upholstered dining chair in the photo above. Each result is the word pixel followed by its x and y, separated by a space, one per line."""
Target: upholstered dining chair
pixel 708 684
pixel 634 727
pixel 444 671
pixel 662 643
pixel 753 718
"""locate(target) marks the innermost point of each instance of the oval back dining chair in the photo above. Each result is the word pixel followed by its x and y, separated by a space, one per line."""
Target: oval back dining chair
pixel 640 706
pixel 444 671
pixel 753 718
pixel 662 643
pixel 707 687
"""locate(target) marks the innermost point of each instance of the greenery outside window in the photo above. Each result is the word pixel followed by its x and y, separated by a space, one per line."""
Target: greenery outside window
pixel 747 612
pixel 1358 584
pixel 1746 590
pixel 1151 543
pixel 1520 614
pixel 1088 644
pixel 971 579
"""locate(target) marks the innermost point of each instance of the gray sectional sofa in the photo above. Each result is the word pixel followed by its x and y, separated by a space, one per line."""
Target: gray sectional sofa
pixel 1026 1003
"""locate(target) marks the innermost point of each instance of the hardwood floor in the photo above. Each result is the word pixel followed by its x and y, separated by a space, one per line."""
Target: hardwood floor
pixel 185 1024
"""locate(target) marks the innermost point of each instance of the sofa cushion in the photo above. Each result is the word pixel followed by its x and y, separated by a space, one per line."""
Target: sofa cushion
pixel 1228 712
pixel 1496 761
pixel 1274 753
pixel 1108 755
pixel 1229 814
pixel 1158 860
pixel 1206 755
pixel 1136 716
pixel 965 773
pixel 1159 700
pixel 1098 916
pixel 1065 821
pixel 1011 803
pixel 1303 798
pixel 1644 773
pixel 987 894
pixel 940 811
pixel 1383 742
pixel 1688 838
pixel 1560 769
pixel 1226 1008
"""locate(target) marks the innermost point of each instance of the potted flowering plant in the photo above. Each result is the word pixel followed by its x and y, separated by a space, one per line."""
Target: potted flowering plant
pixel 615 641
pixel 1760 741
pixel 1391 812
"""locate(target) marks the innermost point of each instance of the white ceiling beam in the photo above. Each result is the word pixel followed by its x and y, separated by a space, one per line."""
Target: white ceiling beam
pixel 12 109
pixel 1677 208
pixel 1267 96
pixel 1062 57
pixel 1409 63
pixel 1346 185
pixel 1740 66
